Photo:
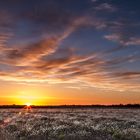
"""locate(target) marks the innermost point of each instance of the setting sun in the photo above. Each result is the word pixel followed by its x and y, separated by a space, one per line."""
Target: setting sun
pixel 28 104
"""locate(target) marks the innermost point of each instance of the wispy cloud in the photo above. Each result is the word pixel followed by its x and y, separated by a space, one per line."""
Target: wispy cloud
pixel 92 70
pixel 105 7
pixel 118 38
pixel 45 56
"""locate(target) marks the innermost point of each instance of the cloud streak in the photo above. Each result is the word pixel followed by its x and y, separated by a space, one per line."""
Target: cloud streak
pixel 105 7
pixel 36 48
pixel 117 38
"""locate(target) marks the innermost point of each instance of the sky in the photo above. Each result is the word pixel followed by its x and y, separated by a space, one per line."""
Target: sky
pixel 56 52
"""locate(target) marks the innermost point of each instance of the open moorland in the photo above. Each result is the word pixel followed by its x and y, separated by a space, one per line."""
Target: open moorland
pixel 70 124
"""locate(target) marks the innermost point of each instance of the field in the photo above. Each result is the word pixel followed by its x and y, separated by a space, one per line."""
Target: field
pixel 70 124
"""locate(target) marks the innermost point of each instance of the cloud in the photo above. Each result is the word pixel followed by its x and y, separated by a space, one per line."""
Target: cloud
pixel 32 52
pixel 34 48
pixel 123 31
pixel 6 19
pixel 29 53
pixel 132 41
pixel 118 38
pixel 112 37
pixel 94 0
pixel 105 7
pixel 128 75
pixel 92 70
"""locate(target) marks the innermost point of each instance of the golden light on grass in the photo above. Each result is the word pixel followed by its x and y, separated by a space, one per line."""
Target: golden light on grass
pixel 28 107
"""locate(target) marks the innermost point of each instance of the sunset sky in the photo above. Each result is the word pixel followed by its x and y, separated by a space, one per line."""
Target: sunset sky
pixel 69 52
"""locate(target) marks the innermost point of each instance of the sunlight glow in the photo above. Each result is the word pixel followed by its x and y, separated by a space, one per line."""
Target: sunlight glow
pixel 28 104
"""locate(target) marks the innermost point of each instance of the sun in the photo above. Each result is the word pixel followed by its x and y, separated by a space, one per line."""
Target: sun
pixel 28 107
pixel 28 104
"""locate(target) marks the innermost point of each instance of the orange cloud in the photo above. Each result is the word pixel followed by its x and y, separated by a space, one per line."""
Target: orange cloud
pixel 38 61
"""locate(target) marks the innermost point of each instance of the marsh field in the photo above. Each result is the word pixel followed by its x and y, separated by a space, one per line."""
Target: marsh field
pixel 70 124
